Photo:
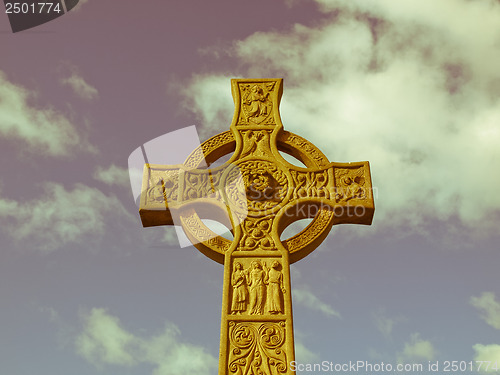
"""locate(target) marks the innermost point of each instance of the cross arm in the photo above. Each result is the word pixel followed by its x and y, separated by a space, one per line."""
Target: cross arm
pixel 343 188
pixel 169 190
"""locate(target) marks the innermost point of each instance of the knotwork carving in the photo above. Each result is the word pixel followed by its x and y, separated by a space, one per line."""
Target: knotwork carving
pixel 265 186
pixel 310 184
pixel 207 149
pixel 195 227
pixel 256 234
pixel 306 147
pixel 317 226
pixel 257 348
pixel 198 185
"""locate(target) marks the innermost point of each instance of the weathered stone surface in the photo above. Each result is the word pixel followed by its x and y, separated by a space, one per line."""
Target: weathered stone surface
pixel 264 194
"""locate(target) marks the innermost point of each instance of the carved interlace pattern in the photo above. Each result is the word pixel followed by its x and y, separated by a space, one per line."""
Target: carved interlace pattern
pixel 207 147
pixel 195 226
pixel 257 348
pixel 310 184
pixel 304 145
pixel 256 234
pixel 316 227
pixel 264 183
pixel 201 184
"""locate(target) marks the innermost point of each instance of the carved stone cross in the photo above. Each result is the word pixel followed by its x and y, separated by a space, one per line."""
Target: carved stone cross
pixel 258 194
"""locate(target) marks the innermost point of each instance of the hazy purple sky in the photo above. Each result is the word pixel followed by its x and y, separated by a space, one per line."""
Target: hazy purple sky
pixel 413 87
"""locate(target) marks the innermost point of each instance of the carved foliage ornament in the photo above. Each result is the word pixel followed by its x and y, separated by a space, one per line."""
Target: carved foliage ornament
pixel 257 348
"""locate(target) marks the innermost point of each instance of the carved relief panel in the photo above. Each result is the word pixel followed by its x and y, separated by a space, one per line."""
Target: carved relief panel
pixel 350 184
pixel 257 287
pixel 257 348
pixel 256 234
pixel 256 103
pixel 163 186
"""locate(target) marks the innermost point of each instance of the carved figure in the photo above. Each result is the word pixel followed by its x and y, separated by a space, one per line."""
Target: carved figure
pixel 240 294
pixel 257 102
pixel 257 282
pixel 276 287
pixel 156 192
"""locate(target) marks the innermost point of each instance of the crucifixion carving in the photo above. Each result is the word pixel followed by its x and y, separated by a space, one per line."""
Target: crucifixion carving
pixel 258 194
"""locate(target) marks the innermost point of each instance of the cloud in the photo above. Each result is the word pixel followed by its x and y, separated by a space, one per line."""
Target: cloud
pixel 80 87
pixel 170 236
pixel 60 216
pixel 73 78
pixel 489 308
pixel 51 313
pixel 210 97
pixel 416 350
pixel 302 353
pixel 113 175
pixel 104 341
pixel 307 299
pixel 413 88
pixel 490 354
pixel 45 130
pixel 385 324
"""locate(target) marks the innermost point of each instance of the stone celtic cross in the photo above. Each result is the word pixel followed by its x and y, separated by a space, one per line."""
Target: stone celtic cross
pixel 258 194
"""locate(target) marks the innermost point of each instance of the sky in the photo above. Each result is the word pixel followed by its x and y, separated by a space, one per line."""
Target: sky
pixel 413 87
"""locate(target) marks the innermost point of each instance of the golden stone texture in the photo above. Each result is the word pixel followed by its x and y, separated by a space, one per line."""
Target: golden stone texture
pixel 258 194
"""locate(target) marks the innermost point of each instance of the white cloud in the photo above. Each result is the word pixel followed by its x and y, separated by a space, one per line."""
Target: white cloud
pixel 385 324
pixel 489 307
pixel 210 96
pixel 306 298
pixel 45 130
pixel 60 216
pixel 490 354
pixel 417 351
pixel 113 175
pixel 105 341
pixel 302 353
pixel 73 78
pixel 415 90
pixel 80 87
